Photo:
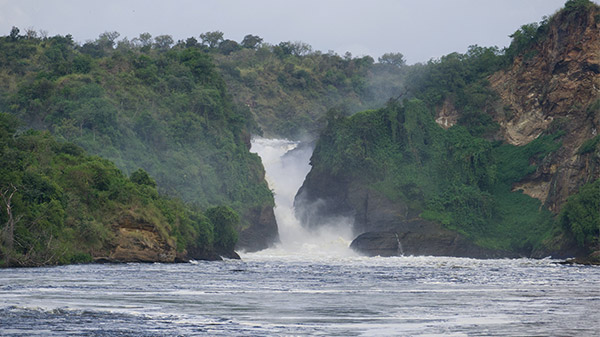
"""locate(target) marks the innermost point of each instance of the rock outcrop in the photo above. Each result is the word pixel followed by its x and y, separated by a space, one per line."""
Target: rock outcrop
pixel 424 238
pixel 556 85
pixel 138 240
pixel 447 116
pixel 262 233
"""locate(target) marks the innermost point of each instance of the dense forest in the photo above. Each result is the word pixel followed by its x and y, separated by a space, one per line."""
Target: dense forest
pixel 448 176
pixel 163 109
pixel 288 87
pixel 146 105
pixel 62 206
pixel 163 106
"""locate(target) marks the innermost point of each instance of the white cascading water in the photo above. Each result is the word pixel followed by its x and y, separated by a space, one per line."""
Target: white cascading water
pixel 286 166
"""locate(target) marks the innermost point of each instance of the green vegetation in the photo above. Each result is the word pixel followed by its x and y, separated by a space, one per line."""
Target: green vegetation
pixel 146 103
pixel 177 117
pixel 225 221
pixel 461 81
pixel 589 145
pixel 581 216
pixel 288 87
pixel 60 205
pixel 459 177
pixel 448 176
pixel 525 38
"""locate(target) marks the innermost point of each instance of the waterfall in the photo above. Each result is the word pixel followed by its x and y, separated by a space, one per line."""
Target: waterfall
pixel 286 165
pixel 399 246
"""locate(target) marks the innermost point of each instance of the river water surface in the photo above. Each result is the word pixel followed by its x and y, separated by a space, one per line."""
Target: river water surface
pixel 265 295
pixel 310 284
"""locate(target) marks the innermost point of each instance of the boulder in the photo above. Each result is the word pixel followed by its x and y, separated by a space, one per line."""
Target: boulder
pixel 432 240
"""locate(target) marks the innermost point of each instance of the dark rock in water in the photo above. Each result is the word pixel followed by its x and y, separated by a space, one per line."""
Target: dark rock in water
pixel 420 237
pixel 563 246
pixel 378 244
pixel 231 255
pixel 592 259
pixel 382 221
pixel 262 234
pixel 198 254
pixel 322 197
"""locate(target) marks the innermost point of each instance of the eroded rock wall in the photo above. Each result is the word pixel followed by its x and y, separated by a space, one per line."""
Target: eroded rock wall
pixel 556 85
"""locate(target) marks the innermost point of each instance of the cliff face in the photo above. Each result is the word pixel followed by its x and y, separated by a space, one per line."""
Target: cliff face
pixel 139 240
pixel 136 238
pixel 385 227
pixel 262 233
pixel 451 192
pixel 555 85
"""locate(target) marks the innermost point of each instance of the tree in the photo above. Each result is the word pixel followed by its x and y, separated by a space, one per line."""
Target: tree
pixel 141 177
pixel 163 42
pixel 107 40
pixel 225 221
pixel 7 194
pixel 228 46
pixel 251 41
pixel 144 40
pixel 301 49
pixel 212 39
pixel 191 42
pixel 296 48
pixel 577 5
pixel 14 33
pixel 395 59
pixel 31 33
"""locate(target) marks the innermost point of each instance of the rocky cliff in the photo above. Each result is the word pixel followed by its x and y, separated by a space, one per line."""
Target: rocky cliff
pixel 137 238
pixel 384 227
pixel 555 84
pixel 548 93
pixel 263 231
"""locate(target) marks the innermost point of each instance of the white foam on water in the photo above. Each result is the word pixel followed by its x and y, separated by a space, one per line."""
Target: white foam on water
pixel 286 165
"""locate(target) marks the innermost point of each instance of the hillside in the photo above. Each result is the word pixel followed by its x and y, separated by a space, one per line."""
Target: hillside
pixel 487 152
pixel 145 103
pixel 64 206
pixel 288 88
pixel 554 84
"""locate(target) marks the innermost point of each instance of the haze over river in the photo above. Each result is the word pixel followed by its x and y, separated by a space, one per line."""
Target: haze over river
pixel 305 286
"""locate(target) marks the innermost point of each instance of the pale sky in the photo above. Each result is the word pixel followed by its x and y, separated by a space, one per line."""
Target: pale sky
pixel 419 29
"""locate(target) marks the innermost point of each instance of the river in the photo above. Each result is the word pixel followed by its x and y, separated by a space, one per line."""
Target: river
pixel 310 284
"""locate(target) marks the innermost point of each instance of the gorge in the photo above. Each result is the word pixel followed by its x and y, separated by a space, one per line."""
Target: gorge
pixel 208 187
pixel 490 153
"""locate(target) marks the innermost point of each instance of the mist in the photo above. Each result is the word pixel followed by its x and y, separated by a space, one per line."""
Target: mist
pixel 287 164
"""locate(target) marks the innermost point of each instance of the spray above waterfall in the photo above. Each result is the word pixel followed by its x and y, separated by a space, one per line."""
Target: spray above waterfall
pixel 287 164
